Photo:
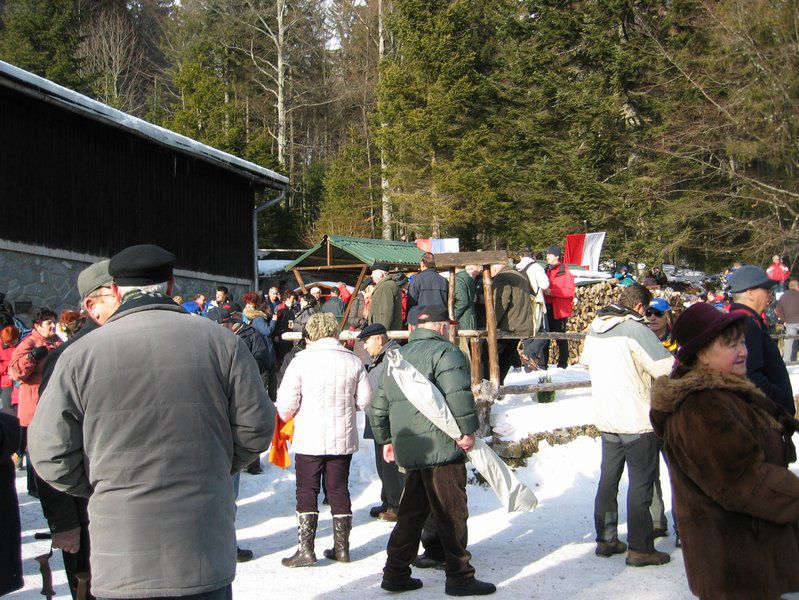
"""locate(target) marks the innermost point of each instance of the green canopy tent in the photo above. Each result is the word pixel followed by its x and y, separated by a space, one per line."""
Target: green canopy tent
pixel 348 258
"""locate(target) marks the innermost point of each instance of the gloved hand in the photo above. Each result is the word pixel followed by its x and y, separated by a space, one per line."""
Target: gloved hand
pixel 38 352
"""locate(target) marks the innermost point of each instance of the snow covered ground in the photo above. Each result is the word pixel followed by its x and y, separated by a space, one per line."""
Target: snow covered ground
pixel 546 554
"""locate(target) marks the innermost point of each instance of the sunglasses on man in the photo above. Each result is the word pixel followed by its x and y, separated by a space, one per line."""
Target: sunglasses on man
pixel 653 312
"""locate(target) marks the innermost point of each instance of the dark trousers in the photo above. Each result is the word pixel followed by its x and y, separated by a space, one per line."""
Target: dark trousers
pixel 77 563
pixel 508 356
pixel 440 491
pixel 336 469
pixel 5 401
pixel 391 479
pixel 225 593
pixel 640 452
pixel 558 326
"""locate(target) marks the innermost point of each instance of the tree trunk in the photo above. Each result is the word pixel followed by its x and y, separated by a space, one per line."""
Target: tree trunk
pixel 281 82
pixel 384 187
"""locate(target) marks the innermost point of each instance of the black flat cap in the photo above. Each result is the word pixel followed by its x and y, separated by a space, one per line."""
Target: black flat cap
pixel 748 277
pixel 379 266
pixel 429 314
pixel 373 329
pixel 145 264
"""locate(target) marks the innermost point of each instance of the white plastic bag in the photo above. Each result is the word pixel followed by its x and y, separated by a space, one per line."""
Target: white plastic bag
pixel 428 400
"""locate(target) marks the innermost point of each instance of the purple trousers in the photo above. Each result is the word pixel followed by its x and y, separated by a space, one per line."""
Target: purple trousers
pixel 336 468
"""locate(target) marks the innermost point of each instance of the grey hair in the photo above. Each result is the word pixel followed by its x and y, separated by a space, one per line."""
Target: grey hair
pixel 156 288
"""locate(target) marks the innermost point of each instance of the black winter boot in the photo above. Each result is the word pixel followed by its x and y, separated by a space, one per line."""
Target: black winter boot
pixel 342 524
pixel 306 532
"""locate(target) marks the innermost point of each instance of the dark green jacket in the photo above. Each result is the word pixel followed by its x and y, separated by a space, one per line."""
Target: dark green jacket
pixel 464 301
pixel 386 305
pixel 418 444
pixel 512 303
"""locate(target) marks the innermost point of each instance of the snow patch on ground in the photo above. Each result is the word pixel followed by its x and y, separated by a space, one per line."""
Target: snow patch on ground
pixel 547 554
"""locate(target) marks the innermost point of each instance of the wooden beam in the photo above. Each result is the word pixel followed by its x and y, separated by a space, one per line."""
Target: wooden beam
pixel 329 252
pixel 352 297
pixel 534 388
pixel 541 335
pixel 299 280
pixel 331 267
pixel 295 336
pixel 491 327
pixel 447 260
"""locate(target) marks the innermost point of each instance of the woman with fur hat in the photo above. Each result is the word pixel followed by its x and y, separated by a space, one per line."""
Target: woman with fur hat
pixel 728 449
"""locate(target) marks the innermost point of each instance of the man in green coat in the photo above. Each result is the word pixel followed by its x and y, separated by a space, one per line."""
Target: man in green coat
pixel 513 308
pixel 386 304
pixel 435 473
pixel 465 292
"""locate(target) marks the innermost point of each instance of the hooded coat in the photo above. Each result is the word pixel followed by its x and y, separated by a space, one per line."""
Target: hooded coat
pixel 624 357
pixel 728 447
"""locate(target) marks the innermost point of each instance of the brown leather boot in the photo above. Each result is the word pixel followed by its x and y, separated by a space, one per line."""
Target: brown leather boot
pixel 342 524
pixel 608 549
pixel 306 532
pixel 646 559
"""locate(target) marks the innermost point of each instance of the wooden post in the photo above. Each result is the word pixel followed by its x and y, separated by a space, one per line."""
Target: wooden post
pixel 329 253
pixel 300 281
pixel 476 357
pixel 453 329
pixel 491 327
pixel 354 293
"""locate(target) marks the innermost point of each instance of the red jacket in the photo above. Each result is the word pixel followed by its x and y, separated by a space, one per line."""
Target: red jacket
pixel 561 291
pixel 5 360
pixel 778 272
pixel 29 373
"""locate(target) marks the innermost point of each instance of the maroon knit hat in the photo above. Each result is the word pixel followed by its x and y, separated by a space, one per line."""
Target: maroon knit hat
pixel 698 326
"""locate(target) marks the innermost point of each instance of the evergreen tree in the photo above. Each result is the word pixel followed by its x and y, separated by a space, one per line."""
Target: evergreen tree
pixel 42 36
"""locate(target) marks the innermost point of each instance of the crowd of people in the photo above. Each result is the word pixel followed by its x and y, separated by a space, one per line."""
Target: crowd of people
pixel 135 414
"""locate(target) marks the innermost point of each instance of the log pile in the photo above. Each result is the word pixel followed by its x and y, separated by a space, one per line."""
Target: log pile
pixel 517 453
pixel 588 299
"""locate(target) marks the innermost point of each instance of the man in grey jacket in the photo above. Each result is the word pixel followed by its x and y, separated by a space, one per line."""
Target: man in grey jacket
pixel 148 416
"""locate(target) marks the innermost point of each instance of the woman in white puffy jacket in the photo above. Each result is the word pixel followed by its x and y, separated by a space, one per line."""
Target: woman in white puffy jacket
pixel 322 389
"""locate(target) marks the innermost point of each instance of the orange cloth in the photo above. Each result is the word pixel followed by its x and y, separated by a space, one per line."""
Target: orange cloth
pixel 279 451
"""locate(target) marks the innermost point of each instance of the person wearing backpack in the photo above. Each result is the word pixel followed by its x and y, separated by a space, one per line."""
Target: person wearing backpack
pixel 533 355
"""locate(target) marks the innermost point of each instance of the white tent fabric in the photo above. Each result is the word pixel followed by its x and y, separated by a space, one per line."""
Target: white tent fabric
pixel 428 400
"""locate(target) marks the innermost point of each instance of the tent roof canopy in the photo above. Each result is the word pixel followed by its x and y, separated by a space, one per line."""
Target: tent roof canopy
pixel 339 252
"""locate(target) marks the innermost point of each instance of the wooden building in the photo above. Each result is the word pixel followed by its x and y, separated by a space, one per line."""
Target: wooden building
pixel 80 180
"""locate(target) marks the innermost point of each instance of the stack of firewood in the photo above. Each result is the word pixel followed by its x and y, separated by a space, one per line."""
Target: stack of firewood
pixel 588 299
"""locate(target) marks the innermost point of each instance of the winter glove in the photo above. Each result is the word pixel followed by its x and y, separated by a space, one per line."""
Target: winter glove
pixel 38 353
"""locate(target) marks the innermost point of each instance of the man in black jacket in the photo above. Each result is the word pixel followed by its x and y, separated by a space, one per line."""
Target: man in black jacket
pixel 427 288
pixel 751 293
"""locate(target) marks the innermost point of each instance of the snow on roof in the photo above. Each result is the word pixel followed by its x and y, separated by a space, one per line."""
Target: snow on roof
pixel 267 267
pixel 33 85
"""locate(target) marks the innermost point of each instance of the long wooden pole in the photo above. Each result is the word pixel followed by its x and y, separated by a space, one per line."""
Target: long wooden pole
pixel 300 281
pixel 491 326
pixel 477 362
pixel 352 297
pixel 453 329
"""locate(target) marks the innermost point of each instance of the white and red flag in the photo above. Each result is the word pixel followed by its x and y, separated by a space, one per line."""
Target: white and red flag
pixel 584 249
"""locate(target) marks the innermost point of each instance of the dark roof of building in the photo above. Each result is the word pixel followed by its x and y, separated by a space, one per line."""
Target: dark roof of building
pixel 33 85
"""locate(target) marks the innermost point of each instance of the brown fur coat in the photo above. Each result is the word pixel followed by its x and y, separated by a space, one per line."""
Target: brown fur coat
pixel 737 505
